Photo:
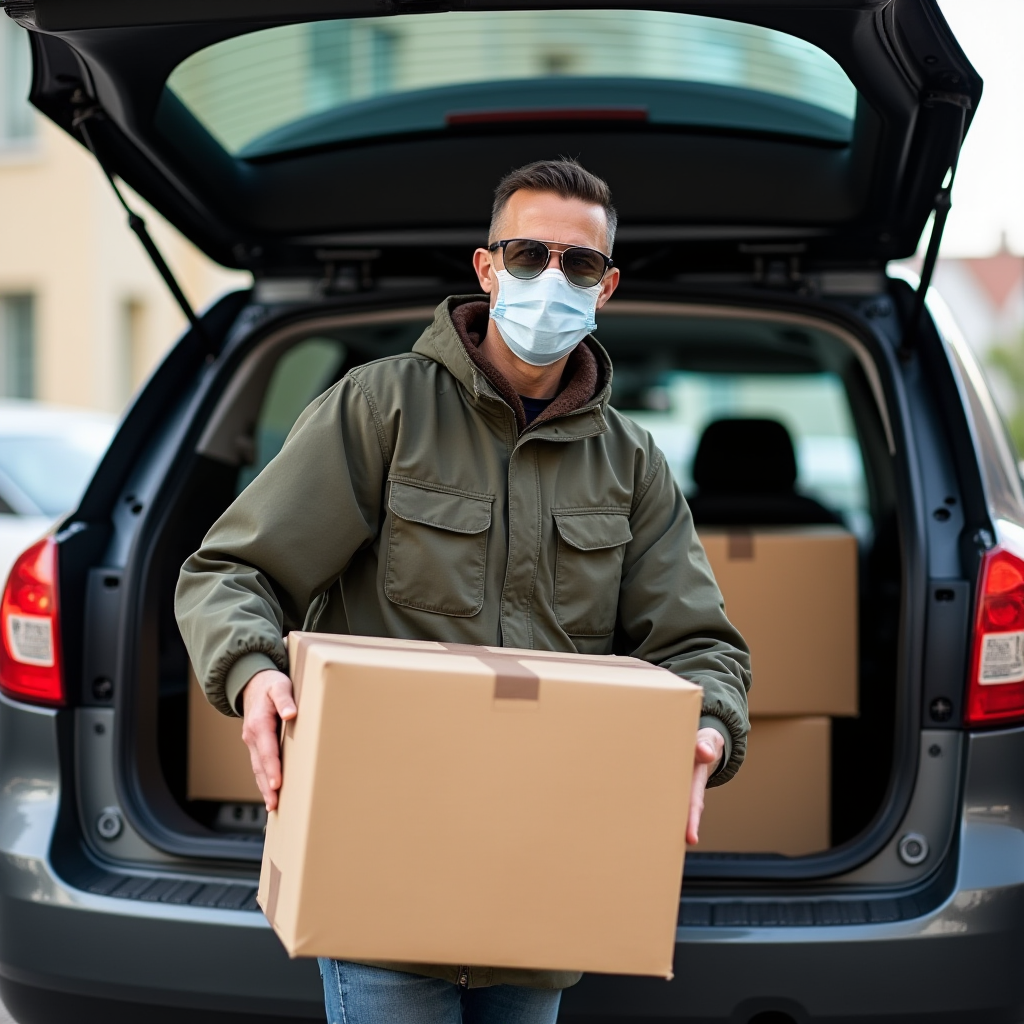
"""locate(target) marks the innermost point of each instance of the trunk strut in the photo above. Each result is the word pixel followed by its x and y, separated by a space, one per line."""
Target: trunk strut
pixel 943 202
pixel 138 226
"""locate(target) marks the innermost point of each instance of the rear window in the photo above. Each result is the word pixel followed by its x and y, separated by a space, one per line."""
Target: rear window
pixel 299 86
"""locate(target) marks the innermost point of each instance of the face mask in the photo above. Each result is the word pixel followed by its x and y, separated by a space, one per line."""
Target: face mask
pixel 544 318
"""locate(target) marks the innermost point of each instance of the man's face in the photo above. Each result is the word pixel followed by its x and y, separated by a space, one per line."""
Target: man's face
pixel 547 217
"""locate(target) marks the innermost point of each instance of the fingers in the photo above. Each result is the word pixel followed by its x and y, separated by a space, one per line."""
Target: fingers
pixel 260 735
pixel 700 778
pixel 266 698
pixel 281 695
pixel 705 752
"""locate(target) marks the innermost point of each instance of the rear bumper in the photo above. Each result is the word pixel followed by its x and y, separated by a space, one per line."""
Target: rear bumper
pixel 959 962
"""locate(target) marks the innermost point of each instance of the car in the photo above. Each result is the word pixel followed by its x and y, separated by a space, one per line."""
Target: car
pixel 48 453
pixel 769 160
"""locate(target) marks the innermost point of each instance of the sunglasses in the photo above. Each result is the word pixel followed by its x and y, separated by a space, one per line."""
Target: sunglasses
pixel 526 258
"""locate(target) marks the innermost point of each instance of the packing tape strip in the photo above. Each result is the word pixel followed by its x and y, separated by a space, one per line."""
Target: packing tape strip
pixel 273 890
pixel 513 679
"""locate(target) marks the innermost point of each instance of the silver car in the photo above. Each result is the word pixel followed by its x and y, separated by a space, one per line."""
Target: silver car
pixel 769 159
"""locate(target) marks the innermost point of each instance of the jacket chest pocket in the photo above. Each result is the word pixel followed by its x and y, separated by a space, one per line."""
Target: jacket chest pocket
pixel 437 550
pixel 588 567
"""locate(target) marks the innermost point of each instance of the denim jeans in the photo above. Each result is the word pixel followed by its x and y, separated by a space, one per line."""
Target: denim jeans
pixel 355 994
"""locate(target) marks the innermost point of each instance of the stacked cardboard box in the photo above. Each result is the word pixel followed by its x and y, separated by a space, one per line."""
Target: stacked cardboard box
pixel 219 768
pixel 792 593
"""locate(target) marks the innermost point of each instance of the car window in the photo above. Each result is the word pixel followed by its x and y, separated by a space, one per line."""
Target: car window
pixel 813 407
pixel 302 373
pixel 52 472
pixel 303 85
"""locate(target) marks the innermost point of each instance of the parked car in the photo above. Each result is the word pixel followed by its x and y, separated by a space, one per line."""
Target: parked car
pixel 768 160
pixel 47 456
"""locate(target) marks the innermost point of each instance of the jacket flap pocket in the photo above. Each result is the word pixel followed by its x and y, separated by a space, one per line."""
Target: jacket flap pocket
pixel 458 513
pixel 593 531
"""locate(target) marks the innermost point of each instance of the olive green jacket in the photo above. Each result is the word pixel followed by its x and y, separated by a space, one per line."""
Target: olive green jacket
pixel 411 500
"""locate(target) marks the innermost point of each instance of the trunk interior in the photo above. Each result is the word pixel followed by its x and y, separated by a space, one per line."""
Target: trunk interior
pixel 771 382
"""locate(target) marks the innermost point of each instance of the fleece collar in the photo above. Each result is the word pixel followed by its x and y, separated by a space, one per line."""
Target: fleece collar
pixel 460 323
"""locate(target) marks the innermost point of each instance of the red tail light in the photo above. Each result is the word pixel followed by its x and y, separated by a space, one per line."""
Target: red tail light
pixel 30 664
pixel 995 687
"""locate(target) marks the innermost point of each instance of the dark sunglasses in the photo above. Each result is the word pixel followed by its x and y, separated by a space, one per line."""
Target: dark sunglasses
pixel 526 258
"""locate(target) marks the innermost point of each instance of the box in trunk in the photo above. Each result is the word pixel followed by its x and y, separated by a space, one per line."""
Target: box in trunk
pixel 219 768
pixel 452 804
pixel 780 800
pixel 792 593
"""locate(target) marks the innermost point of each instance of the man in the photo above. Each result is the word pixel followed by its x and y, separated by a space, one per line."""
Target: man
pixel 476 490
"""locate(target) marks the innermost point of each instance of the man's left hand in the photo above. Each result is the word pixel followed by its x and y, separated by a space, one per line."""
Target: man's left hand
pixel 710 748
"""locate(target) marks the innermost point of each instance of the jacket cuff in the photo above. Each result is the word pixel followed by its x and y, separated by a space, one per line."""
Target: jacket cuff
pixel 241 672
pixel 713 722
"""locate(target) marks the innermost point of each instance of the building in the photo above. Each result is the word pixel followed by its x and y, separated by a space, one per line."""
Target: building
pixel 84 316
pixel 986 295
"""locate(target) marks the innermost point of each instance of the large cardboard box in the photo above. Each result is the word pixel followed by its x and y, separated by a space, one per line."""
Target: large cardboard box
pixel 779 801
pixel 219 767
pixel 792 593
pixel 452 804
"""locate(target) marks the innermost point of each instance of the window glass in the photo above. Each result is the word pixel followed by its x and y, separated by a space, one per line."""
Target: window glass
pixel 17 346
pixel 303 373
pixel 300 85
pixel 812 407
pixel 52 472
pixel 17 120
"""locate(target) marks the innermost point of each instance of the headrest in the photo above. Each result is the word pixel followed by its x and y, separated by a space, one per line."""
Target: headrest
pixel 745 456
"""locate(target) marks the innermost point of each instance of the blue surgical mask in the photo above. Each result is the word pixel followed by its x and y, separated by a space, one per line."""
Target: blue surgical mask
pixel 545 318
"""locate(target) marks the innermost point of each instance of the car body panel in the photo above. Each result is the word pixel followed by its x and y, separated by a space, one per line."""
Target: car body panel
pixel 59 936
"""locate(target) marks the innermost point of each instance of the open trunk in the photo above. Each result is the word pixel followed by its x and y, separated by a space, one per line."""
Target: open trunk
pixel 679 366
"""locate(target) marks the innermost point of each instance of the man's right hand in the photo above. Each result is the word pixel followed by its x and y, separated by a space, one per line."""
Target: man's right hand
pixel 266 699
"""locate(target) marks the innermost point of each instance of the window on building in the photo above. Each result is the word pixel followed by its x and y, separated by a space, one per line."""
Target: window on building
pixel 17 346
pixel 17 119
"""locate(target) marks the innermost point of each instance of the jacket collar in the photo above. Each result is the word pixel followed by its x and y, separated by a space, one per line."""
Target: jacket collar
pixel 452 340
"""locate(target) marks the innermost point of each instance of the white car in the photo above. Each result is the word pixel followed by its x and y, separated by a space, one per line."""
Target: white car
pixel 48 454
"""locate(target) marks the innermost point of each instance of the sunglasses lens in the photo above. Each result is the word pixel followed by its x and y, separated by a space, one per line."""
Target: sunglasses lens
pixel 525 259
pixel 583 267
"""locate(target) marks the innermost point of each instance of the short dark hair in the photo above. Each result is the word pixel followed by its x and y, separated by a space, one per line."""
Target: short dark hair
pixel 565 177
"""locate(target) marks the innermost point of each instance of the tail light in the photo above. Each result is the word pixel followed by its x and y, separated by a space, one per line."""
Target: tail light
pixel 995 687
pixel 30 663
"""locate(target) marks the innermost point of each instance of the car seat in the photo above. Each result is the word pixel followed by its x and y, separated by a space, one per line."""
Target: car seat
pixel 745 472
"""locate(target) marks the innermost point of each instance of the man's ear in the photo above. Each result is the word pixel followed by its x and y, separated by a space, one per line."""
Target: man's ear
pixel 608 286
pixel 483 264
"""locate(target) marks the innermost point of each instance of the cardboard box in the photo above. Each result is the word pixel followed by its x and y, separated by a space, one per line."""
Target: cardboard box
pixel 487 806
pixel 219 767
pixel 792 593
pixel 780 800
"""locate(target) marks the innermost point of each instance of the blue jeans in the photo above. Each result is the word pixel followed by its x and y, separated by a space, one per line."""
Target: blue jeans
pixel 355 994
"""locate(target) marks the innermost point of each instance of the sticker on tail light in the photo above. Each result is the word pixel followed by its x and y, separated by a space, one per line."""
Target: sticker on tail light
pixel 30 639
pixel 1002 658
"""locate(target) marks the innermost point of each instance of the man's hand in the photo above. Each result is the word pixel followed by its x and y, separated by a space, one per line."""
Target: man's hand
pixel 266 699
pixel 710 747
